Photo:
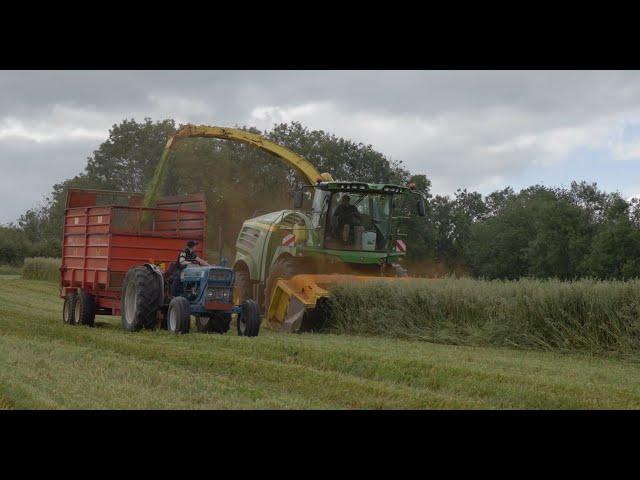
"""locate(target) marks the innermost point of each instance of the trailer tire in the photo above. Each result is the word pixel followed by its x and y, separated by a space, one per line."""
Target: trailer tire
pixel 68 308
pixel 179 315
pixel 84 309
pixel 140 299
pixel 249 319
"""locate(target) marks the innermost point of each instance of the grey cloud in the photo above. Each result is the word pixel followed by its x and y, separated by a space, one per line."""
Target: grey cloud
pixel 469 129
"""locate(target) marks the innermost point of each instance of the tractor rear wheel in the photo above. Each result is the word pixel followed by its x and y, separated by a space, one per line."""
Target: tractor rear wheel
pixel 179 315
pixel 68 307
pixel 84 309
pixel 249 319
pixel 141 298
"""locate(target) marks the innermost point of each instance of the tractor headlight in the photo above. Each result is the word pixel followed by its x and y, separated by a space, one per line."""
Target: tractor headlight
pixel 220 294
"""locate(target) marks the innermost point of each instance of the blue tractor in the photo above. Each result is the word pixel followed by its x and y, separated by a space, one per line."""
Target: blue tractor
pixel 206 292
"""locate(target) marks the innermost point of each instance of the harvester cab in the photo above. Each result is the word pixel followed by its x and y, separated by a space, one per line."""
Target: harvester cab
pixel 356 216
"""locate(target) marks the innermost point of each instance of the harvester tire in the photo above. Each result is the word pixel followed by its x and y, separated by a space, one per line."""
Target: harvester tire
pixel 249 319
pixel 399 270
pixel 213 324
pixel 285 268
pixel 203 323
pixel 140 299
pixel 179 315
pixel 84 309
pixel 243 285
pixel 68 307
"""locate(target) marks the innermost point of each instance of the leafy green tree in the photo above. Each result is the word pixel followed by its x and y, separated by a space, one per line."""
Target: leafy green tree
pixel 127 160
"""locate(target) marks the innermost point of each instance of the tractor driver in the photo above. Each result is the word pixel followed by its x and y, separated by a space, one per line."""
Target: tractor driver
pixel 186 257
pixel 345 217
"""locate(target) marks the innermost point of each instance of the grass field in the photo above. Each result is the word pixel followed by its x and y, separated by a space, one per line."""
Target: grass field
pixel 10 270
pixel 596 317
pixel 42 268
pixel 45 364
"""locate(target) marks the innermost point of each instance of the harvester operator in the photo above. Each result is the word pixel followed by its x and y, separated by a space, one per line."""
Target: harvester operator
pixel 186 257
pixel 345 217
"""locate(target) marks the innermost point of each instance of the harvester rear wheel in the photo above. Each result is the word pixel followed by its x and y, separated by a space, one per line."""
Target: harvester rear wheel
pixel 68 307
pixel 140 299
pixel 249 319
pixel 179 315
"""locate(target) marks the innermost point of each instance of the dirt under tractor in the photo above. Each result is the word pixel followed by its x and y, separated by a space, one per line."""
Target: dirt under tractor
pixel 287 261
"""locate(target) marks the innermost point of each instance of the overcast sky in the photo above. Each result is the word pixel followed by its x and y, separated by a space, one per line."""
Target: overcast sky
pixel 482 130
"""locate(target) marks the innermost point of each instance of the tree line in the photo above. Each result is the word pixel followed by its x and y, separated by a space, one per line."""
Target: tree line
pixel 544 232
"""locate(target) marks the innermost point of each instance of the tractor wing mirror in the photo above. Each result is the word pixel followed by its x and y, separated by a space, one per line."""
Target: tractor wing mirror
pixel 298 199
pixel 422 210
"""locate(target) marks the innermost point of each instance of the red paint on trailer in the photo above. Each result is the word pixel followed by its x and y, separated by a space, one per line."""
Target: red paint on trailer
pixel 106 233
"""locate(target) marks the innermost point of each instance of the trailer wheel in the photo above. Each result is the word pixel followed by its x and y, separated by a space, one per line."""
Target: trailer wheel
pixel 140 299
pixel 179 315
pixel 84 309
pixel 68 307
pixel 249 319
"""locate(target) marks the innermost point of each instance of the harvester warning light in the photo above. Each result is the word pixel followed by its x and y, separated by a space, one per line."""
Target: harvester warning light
pixel 289 240
pixel 401 246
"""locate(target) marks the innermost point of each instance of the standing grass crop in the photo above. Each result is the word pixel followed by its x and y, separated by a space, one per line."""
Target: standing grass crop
pixel 585 315
pixel 41 268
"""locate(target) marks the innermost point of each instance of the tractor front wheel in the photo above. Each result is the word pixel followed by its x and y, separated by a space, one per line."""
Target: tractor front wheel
pixel 249 319
pixel 179 315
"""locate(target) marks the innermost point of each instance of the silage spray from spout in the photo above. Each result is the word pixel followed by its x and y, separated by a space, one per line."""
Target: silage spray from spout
pixel 155 184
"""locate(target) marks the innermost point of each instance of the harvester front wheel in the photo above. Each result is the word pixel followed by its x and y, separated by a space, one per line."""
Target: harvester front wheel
pixel 141 298
pixel 68 307
pixel 249 319
pixel 285 268
pixel 214 324
pixel 84 309
pixel 243 285
pixel 179 315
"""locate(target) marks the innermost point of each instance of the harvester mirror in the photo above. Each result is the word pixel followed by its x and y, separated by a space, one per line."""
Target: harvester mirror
pixel 422 210
pixel 298 199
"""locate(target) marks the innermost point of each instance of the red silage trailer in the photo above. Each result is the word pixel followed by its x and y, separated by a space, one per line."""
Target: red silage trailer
pixel 106 233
